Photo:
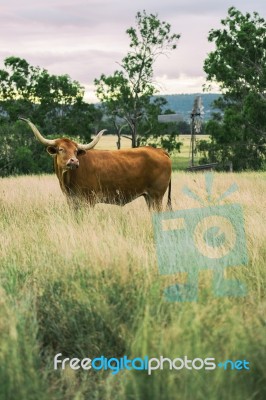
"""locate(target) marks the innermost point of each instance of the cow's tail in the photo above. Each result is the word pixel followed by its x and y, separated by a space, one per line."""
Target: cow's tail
pixel 169 201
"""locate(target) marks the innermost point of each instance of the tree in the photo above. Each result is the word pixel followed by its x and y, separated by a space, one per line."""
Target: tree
pixel 126 94
pixel 238 65
pixel 155 133
pixel 54 103
pixel 21 153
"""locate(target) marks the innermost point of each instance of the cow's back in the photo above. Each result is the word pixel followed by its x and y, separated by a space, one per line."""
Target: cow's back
pixel 129 172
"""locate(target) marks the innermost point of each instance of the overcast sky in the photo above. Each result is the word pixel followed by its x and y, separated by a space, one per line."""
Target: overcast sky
pixel 84 38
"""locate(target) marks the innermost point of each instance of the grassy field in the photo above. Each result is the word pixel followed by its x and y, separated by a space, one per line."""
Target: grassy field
pixel 88 285
pixel 180 160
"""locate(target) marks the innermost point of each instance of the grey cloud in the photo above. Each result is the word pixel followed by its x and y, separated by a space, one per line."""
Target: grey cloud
pixel 85 38
pixel 80 65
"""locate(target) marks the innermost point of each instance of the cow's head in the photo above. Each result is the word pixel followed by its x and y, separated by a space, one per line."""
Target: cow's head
pixel 66 151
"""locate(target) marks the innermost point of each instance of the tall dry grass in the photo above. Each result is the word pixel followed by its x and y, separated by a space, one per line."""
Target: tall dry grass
pixel 87 284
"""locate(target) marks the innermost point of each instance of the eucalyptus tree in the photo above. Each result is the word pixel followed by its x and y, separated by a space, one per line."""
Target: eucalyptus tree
pixel 126 94
pixel 238 65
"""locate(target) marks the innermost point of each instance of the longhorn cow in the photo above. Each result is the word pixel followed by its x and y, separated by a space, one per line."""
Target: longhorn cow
pixel 109 176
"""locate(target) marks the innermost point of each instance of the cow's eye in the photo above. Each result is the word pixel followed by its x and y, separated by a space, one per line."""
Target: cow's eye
pixel 60 149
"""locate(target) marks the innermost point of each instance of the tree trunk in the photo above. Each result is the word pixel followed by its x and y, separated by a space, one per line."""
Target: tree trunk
pixel 118 143
pixel 134 136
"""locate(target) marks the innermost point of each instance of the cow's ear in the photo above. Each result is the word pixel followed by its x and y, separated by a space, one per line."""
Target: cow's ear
pixel 81 152
pixel 52 150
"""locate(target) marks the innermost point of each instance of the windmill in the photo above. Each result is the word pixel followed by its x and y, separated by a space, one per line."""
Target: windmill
pixel 196 125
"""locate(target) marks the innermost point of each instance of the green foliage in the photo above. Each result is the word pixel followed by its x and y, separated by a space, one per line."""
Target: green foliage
pixel 165 141
pixel 21 153
pixel 126 94
pixel 239 61
pixel 158 134
pixel 149 39
pixel 22 81
pixel 33 92
pixel 55 103
pixel 238 64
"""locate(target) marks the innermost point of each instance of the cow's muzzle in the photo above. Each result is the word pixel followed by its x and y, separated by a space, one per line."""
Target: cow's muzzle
pixel 72 163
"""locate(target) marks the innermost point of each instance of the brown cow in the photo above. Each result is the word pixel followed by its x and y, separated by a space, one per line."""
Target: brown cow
pixel 109 176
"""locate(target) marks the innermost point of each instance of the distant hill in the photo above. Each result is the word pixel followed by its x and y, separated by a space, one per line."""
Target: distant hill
pixel 183 103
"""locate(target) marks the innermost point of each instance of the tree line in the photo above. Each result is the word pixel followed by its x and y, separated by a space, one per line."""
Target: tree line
pixel 128 105
pixel 54 103
pixel 238 64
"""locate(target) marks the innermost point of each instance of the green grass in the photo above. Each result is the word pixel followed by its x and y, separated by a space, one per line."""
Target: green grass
pixel 88 284
pixel 182 160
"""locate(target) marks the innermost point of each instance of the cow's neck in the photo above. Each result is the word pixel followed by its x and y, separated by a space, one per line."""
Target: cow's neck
pixel 64 179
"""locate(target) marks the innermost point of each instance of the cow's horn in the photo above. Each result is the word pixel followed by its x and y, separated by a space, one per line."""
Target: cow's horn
pixel 93 143
pixel 38 135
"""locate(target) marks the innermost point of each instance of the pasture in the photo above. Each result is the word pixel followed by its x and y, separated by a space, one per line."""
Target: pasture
pixel 87 285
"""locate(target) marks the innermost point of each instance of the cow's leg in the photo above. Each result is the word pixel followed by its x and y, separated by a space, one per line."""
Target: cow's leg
pixel 154 203
pixel 157 204
pixel 77 203
pixel 91 201
pixel 147 199
pixel 73 203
